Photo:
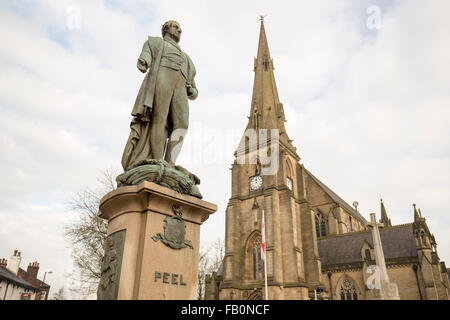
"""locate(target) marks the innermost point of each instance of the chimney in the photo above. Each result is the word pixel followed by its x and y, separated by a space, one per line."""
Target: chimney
pixel 14 262
pixel 32 271
pixel 3 263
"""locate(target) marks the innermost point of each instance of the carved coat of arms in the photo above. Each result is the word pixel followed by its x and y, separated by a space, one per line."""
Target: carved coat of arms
pixel 174 231
pixel 111 266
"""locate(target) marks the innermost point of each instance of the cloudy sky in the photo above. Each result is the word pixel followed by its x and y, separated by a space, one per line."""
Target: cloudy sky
pixel 367 102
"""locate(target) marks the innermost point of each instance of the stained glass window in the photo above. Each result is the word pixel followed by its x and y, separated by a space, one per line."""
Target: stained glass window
pixel 321 225
pixel 258 266
pixel 348 290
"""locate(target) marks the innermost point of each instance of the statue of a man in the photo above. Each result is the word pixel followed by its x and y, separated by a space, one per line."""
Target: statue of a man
pixel 161 111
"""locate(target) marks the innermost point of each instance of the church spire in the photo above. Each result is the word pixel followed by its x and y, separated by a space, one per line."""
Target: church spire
pixel 384 217
pixel 266 110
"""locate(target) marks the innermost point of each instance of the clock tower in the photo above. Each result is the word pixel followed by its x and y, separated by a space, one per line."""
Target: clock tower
pixel 267 176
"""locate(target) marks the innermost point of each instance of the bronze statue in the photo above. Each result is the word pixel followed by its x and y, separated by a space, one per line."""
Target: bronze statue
pixel 161 111
pixel 161 115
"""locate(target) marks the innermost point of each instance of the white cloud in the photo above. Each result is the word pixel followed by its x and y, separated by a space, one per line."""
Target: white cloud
pixel 368 110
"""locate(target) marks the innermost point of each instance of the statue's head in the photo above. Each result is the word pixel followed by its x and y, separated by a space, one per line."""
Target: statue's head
pixel 172 28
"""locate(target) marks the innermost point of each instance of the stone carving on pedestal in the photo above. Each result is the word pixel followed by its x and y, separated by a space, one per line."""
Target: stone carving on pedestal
pixel 174 231
pixel 111 266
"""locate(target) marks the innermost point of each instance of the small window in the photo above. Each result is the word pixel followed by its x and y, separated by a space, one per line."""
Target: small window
pixel 368 255
pixel 321 225
pixel 317 227
pixel 323 228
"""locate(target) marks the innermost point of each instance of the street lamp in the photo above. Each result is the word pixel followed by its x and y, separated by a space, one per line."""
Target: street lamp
pixel 43 281
pixel 45 273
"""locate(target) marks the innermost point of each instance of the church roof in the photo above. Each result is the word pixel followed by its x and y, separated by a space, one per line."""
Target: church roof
pixel 8 276
pixel 397 242
pixel 336 198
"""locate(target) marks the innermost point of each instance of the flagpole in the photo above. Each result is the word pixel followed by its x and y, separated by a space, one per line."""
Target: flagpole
pixel 265 256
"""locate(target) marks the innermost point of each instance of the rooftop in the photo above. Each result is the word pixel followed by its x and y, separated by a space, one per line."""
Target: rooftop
pixel 397 241
pixel 8 276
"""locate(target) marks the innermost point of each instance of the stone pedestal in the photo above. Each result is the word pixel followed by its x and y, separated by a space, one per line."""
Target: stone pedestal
pixel 153 243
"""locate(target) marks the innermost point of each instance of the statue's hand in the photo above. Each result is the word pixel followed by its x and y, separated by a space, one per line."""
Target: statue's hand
pixel 192 93
pixel 142 66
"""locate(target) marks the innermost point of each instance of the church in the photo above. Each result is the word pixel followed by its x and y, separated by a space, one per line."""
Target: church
pixel 317 245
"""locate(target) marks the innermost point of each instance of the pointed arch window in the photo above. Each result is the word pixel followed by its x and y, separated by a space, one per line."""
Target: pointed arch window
pixel 423 241
pixel 323 228
pixel 317 226
pixel 348 290
pixel 258 266
pixel 255 119
pixel 266 61
pixel 289 176
pixel 321 225
pixel 368 255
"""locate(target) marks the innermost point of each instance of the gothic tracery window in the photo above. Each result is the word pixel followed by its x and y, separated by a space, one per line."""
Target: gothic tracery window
pixel 348 290
pixel 321 225
pixel 258 266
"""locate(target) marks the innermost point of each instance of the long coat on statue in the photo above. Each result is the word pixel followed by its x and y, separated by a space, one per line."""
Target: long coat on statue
pixel 138 148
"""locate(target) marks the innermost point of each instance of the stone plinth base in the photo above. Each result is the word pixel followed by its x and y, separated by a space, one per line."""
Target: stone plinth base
pixel 153 243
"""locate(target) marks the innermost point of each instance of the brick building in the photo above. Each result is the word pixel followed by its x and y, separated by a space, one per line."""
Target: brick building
pixel 17 283
pixel 317 244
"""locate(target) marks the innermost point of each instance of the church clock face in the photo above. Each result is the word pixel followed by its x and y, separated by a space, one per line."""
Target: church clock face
pixel 256 183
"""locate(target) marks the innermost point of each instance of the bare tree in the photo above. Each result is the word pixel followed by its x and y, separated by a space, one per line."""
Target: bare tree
pixel 218 253
pixel 210 260
pixel 86 235
pixel 203 262
pixel 59 295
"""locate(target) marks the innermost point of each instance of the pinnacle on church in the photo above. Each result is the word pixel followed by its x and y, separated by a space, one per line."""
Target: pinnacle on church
pixel 416 214
pixel 266 110
pixel 384 217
